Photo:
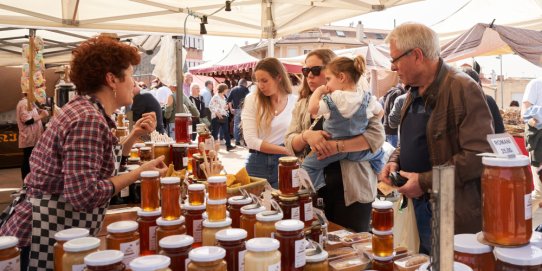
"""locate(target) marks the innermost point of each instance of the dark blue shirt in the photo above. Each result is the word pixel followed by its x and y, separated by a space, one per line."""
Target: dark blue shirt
pixel 237 95
pixel 144 103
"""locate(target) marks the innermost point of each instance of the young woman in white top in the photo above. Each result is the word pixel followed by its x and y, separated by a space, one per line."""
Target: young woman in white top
pixel 265 118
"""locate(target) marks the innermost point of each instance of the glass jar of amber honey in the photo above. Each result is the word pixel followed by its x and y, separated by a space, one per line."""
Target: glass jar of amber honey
pixel 382 215
pixel 382 242
pixel 169 227
pixel 265 223
pixel 179 156
pixel 134 153
pixel 150 190
pixel 75 251
pixel 288 175
pixel 506 200
pixel 305 207
pixel 194 222
pixel 123 236
pixel 317 262
pixel 233 241
pixel 216 210
pixel 196 194
pixel 248 218
pixel 183 127
pixel 211 228
pixel 10 256
pixel 162 149
pixel 62 237
pixel 526 258
pixel 147 231
pixel 121 132
pixel 177 247
pixel 207 258
pixel 216 187
pixel 151 263
pixel 191 150
pixel 234 207
pixel 105 260
pixel 171 193
pixel 476 255
pixel 292 244
pixel 383 263
pixel 145 154
pixel 290 207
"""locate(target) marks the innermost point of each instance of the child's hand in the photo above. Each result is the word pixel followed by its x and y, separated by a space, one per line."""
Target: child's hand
pixel 323 89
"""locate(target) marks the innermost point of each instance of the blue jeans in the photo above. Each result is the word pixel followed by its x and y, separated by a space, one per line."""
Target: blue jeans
pixel 171 130
pixel 263 165
pixel 216 126
pixel 393 140
pixel 236 123
pixel 422 210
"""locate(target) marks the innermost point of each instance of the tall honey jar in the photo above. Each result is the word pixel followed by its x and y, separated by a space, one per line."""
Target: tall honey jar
pixel 382 215
pixel 207 258
pixel 177 247
pixel 211 228
pixel 288 175
pixel 526 258
pixel 305 207
pixel 145 154
pixel 507 184
pixel 265 223
pixel 151 263
pixel 196 194
pixel 292 244
pixel 248 218
pixel 194 222
pixel 476 255
pixel 234 207
pixel 10 256
pixel 171 193
pixel 105 260
pixel 382 242
pixel 290 207
pixel 205 137
pixel 183 127
pixel 233 241
pixel 262 255
pixel 150 190
pixel 216 210
pixel 123 236
pixel 147 231
pixel 75 251
pixel 179 156
pixel 216 187
pixel 62 237
pixel 169 227
pixel 162 149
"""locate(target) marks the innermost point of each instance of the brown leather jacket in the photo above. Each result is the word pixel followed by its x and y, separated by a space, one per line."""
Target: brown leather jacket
pixel 456 132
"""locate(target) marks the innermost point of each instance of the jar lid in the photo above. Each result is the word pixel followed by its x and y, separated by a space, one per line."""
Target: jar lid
pixel 467 243
pixel 196 187
pixel 150 263
pixel 523 256
pixel 269 216
pixel 382 204
pixel 149 143
pixel 142 212
pixel 131 167
pixel 536 239
pixel 162 144
pixel 231 234
pixel 320 257
pixel 518 161
pixel 461 267
pixel 9 241
pixel 183 115
pixel 150 174
pixel 104 257
pixel 239 200
pixel 216 201
pixel 139 145
pixel 219 224
pixel 288 198
pixel 383 259
pixel 250 210
pixel 170 180
pixel 206 254
pixel 216 179
pixel 193 145
pixel 194 207
pixel 289 225
pixel 205 215
pixel 134 159
pixel 288 159
pixel 162 222
pixel 122 226
pixel 376 232
pixel 134 149
pixel 145 148
pixel 176 241
pixel 303 192
pixel 179 145
pixel 68 234
pixel 81 244
pixel 262 244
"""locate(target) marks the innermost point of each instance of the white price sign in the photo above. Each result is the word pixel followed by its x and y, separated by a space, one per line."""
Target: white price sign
pixel 503 144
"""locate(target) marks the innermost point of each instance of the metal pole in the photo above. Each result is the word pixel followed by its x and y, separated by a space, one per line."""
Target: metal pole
pixel 442 204
pixel 502 84
pixel 179 76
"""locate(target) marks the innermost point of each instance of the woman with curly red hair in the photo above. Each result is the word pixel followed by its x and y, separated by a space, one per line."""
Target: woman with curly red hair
pixel 74 163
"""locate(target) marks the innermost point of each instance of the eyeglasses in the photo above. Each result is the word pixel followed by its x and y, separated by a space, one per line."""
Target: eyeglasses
pixel 393 60
pixel 314 69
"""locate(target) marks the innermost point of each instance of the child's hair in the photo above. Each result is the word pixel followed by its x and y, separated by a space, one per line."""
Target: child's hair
pixel 354 68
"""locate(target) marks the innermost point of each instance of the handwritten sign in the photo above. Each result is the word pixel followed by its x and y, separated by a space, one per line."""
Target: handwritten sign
pixel 503 144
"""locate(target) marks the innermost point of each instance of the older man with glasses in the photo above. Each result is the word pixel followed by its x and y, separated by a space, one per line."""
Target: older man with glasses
pixel 444 121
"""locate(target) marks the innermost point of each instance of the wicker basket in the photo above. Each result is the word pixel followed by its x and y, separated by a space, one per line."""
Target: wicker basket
pixel 256 187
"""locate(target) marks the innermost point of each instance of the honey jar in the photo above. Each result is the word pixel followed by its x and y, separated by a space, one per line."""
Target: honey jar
pixel 123 236
pixel 292 244
pixel 383 263
pixel 248 218
pixel 208 258
pixel 305 207
pixel 197 171
pixel 10 256
pixel 145 154
pixel 234 207
pixel 526 258
pixel 382 242
pixel 62 237
pixel 76 250
pixel 134 153
pixel 171 193
pixel 121 132
pixel 196 194
pixel 211 228
pixel 265 223
pixel 105 260
pixel 216 187
pixel 162 149
pixel 476 255
pixel 134 161
pixel 169 227
pixel 183 127
pixel 317 262
pixel 206 216
pixel 192 149
pixel 382 215
pixel 288 175
pixel 194 222
pixel 179 156
pixel 233 242
pixel 507 184
pixel 177 247
pixel 151 263
pixel 150 190
pixel 216 210
pixel 147 231
pixel 262 255
pixel 290 207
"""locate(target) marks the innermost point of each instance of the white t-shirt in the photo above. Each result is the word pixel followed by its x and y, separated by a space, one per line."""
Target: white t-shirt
pixel 255 135
pixel 533 92
pixel 162 94
pixel 348 102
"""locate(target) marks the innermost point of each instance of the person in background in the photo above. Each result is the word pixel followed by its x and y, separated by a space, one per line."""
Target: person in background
pixel 266 115
pixel 144 88
pixel 394 119
pixel 235 100
pixel 170 110
pixel 187 82
pixel 73 166
pixel 30 129
pixel 197 100
pixel 514 103
pixel 219 115
pixel 433 132
pixel 389 101
pixel 145 103
pixel 207 93
pixel 162 92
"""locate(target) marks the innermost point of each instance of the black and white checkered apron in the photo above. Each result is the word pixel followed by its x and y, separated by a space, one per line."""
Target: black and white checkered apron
pixel 52 213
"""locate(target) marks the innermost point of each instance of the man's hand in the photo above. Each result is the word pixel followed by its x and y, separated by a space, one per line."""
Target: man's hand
pixel 385 173
pixel 412 187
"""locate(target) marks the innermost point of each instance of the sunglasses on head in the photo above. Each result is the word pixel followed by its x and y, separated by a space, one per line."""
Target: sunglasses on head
pixel 314 69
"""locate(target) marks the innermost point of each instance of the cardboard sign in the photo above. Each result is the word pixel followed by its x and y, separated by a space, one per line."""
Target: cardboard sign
pixel 503 145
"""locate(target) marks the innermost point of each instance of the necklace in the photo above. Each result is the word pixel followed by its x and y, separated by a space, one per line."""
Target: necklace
pixel 280 106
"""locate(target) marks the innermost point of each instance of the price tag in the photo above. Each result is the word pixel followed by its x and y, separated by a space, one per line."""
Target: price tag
pixel 503 144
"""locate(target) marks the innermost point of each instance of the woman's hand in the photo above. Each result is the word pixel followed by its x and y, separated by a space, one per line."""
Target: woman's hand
pixel 156 164
pixel 145 125
pixel 317 140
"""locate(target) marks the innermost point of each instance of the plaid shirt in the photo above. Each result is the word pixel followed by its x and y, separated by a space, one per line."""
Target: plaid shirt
pixel 74 157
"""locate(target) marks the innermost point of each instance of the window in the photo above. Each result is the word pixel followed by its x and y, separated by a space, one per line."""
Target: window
pixel 306 51
pixel 340 33
pixel 380 36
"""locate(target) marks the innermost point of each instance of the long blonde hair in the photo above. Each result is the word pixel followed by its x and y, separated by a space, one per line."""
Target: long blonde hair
pixel 277 71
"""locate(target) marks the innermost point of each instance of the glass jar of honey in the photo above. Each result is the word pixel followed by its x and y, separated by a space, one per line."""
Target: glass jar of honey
pixel 75 251
pixel 233 241
pixel 305 207
pixel 134 161
pixel 176 247
pixel 147 231
pixel 179 156
pixel 292 244
pixel 150 190
pixel 139 145
pixel 469 251
pixel 197 171
pixel 183 127
pixel 216 187
pixel 382 242
pixel 206 216
pixel 262 255
pixel 382 215
pixel 317 262
pixel 234 207
pixel 171 193
pixel 105 260
pixel 123 236
pixel 151 263
pixel 317 232
pixel 290 207
pixel 62 237
pixel 194 222
pixel 169 227
pixel 10 256
pixel 204 136
pixel 265 223
pixel 211 228
pixel 162 149
pixel 192 149
pixel 383 263
pixel 248 218
pixel 288 175
pixel 121 132
pixel 526 258
pixel 134 153
pixel 145 154
pixel 216 210
pixel 207 258
pixel 506 200
pixel 196 194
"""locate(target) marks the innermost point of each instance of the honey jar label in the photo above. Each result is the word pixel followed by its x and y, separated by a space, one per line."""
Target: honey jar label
pixel 308 211
pixel 196 226
pixel 300 253
pixel 152 237
pixel 130 250
pixel 125 192
pixel 296 213
pixel 209 144
pixel 528 207
pixel 241 260
pixel 295 178
pixel 274 267
pixel 11 264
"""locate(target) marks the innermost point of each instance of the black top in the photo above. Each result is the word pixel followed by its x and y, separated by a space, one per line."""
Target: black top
pixel 237 95
pixel 389 100
pixel 496 114
pixel 144 103
pixel 200 105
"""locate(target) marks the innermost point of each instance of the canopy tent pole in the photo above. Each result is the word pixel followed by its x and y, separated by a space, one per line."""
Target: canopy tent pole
pixel 179 74
pixel 502 84
pixel 30 93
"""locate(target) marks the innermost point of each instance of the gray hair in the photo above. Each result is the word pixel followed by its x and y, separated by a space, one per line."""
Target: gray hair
pixel 408 36
pixel 242 82
pixel 193 85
